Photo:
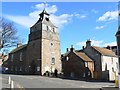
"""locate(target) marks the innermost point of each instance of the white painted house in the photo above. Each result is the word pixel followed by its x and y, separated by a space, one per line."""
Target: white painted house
pixel 111 64
pixel 105 62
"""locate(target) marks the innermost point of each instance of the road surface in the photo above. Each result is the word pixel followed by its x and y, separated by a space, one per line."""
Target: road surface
pixel 27 81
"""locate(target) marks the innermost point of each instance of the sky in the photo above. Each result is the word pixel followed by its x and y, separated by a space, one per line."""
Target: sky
pixel 77 21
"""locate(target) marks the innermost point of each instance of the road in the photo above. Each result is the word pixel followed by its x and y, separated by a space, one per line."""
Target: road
pixel 27 81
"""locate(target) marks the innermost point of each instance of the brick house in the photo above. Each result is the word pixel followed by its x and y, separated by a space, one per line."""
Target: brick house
pixel 77 64
pixel 41 54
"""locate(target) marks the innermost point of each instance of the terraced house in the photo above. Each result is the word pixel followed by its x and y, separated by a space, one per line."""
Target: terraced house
pixel 41 54
pixel 90 62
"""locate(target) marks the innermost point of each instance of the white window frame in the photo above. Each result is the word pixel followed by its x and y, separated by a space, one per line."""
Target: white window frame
pixel 86 64
pixel 21 54
pixel 67 58
pixel 53 62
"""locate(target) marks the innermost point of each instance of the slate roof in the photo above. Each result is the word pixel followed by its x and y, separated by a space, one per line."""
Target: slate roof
pixel 44 12
pixel 44 21
pixel 83 56
pixel 18 48
pixel 104 51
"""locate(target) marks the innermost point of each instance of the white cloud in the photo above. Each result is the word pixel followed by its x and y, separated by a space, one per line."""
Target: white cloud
pixel 93 42
pixel 80 15
pixel 83 43
pixel 99 27
pixel 21 20
pixel 109 15
pixel 32 17
pixel 61 20
pixel 110 44
pixel 39 8
pixel 97 43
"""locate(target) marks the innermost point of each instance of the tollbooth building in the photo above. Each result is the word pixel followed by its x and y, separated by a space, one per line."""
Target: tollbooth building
pixel 42 53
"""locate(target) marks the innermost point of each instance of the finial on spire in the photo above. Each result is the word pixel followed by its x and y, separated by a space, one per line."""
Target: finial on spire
pixel 44 11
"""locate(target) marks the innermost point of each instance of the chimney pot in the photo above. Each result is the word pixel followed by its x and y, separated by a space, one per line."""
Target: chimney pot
pixel 71 49
pixel 88 43
pixel 67 49
pixel 83 47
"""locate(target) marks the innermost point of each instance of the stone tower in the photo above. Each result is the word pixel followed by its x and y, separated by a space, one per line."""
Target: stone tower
pixel 43 47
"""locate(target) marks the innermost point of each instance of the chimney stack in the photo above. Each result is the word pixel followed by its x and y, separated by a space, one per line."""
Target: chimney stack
pixel 88 43
pixel 67 49
pixel 83 47
pixel 109 47
pixel 71 49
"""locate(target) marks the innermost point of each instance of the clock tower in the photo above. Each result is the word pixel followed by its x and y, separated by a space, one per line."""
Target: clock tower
pixel 44 46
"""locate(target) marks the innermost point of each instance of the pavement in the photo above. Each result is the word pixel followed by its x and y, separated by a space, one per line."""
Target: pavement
pixel 37 82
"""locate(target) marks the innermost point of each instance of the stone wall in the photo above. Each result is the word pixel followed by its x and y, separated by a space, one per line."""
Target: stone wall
pixel 50 49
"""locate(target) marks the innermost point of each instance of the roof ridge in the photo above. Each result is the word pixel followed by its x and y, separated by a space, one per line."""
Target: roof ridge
pixel 18 48
pixel 104 51
pixel 83 56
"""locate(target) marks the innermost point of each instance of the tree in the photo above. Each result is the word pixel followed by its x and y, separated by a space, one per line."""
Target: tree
pixel 8 36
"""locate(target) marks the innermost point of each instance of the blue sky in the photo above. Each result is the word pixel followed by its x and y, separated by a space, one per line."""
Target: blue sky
pixel 77 21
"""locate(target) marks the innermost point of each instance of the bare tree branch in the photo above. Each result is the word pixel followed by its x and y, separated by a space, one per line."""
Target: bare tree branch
pixel 8 36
